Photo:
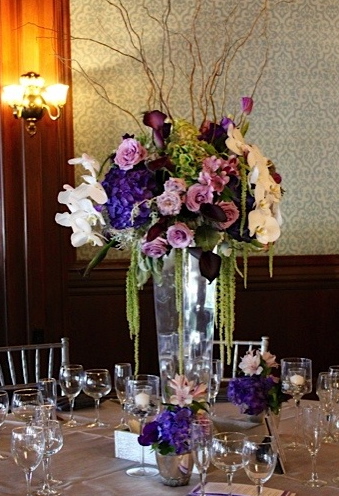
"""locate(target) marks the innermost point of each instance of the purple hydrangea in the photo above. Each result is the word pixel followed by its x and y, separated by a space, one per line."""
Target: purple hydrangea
pixel 170 432
pixel 124 189
pixel 250 393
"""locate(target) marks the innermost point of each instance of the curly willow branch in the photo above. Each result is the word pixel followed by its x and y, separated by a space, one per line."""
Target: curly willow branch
pixel 202 69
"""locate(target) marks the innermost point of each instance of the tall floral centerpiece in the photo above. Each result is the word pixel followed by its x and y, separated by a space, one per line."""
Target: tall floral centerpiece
pixel 190 194
pixel 185 195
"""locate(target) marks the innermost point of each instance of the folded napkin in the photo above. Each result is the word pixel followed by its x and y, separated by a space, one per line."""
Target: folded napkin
pixel 221 489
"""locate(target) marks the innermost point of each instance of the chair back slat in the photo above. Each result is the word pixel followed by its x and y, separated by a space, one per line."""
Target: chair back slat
pixel 37 365
pixel 51 362
pixel 2 378
pixel 11 366
pixel 243 345
pixel 26 364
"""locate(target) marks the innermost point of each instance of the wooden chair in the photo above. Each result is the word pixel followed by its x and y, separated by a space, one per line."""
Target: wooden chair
pixel 24 365
pixel 239 350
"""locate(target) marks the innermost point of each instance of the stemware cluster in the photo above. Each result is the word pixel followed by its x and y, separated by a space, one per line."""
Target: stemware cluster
pixel 96 383
pixel 40 437
pixel 257 454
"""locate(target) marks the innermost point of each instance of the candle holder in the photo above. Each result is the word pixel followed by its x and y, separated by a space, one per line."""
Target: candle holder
pixel 296 378
pixel 142 401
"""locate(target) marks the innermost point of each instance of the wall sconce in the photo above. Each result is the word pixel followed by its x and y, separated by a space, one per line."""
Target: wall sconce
pixel 30 99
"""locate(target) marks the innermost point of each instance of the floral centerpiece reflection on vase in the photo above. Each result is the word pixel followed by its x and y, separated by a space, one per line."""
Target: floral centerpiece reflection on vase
pixel 170 433
pixel 257 390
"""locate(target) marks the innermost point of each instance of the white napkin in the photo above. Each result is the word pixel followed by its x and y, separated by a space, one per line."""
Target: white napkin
pixel 221 488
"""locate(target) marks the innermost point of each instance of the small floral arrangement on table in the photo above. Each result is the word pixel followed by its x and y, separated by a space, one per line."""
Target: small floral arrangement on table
pixel 256 390
pixel 171 430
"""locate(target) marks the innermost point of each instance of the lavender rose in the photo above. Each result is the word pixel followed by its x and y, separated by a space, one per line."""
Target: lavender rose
pixel 169 203
pixel 154 249
pixel 179 235
pixel 198 194
pixel 129 153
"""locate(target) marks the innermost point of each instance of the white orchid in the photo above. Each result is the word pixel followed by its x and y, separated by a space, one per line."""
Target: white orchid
pixel 88 163
pixel 263 225
pixel 235 141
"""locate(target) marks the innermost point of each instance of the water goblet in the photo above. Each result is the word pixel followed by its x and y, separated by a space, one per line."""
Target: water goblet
pixel 227 450
pixel 27 448
pixel 296 379
pixel 4 405
pixel 142 400
pixel 71 381
pixel 313 431
pixel 25 403
pixel 97 383
pixel 325 394
pixel 53 444
pixel 334 374
pixel 215 380
pixel 201 446
pixel 259 458
pixel 45 412
pixel 121 372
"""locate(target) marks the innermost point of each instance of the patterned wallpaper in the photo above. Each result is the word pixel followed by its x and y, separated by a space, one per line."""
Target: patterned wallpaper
pixel 295 119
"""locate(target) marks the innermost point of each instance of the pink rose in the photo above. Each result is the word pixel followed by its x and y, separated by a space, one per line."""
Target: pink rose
pixel 231 212
pixel 179 235
pixel 175 184
pixel 169 203
pixel 198 194
pixel 129 153
pixel 156 248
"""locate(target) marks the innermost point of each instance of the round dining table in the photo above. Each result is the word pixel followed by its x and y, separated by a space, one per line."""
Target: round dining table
pixel 90 463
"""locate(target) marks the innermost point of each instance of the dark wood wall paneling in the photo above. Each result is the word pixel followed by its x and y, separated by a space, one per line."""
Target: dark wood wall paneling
pixel 34 251
pixel 40 284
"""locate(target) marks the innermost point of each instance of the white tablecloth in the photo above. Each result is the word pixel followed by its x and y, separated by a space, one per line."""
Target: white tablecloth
pixel 88 467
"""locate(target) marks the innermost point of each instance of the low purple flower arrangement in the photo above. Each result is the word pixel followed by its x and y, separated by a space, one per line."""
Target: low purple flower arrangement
pixel 256 389
pixel 171 430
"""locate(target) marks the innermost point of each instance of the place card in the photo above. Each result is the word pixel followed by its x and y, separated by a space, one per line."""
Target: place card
pixel 221 489
pixel 127 447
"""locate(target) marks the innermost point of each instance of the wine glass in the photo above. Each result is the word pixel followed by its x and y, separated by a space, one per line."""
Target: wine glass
pixel 142 400
pixel 48 388
pixel 121 372
pixel 4 405
pixel 334 374
pixel 227 454
pixel 27 448
pixel 25 403
pixel 53 444
pixel 97 383
pixel 215 380
pixel 313 430
pixel 201 446
pixel 259 458
pixel 296 379
pixel 71 380
pixel 325 394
